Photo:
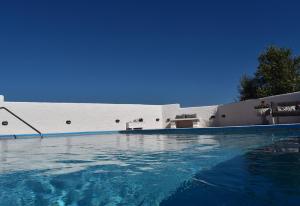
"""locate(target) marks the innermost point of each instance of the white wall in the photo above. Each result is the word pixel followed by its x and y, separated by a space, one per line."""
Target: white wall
pixel 243 113
pixel 51 117
pixel 14 125
pixel 203 113
pixel 169 112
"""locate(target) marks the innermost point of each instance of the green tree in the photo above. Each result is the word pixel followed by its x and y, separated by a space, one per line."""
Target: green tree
pixel 278 73
pixel 247 88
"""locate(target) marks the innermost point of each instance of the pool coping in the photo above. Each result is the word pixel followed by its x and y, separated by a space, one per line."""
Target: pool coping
pixel 213 130
pixel 204 130
pixel 60 134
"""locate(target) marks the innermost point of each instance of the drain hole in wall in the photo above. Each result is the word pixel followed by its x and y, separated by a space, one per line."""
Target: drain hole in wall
pixel 212 117
pixel 68 122
pixel 4 123
pixel 157 119
pixel 117 121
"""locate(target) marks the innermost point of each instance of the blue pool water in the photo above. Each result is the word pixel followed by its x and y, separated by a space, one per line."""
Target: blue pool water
pixel 156 169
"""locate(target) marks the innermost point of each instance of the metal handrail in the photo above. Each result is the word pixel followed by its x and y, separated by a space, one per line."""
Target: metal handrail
pixel 19 118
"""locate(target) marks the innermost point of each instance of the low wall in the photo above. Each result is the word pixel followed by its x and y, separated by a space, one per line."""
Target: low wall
pixel 243 113
pixel 203 113
pixel 168 113
pixel 52 117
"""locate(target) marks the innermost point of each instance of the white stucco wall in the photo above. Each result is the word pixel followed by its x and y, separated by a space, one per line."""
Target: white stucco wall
pixel 243 113
pixel 51 117
pixel 169 112
pixel 203 113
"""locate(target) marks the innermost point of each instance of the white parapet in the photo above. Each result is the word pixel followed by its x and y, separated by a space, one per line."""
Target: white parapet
pixel 1 98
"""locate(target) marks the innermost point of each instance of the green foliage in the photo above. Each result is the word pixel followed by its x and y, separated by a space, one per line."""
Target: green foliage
pixel 247 88
pixel 278 73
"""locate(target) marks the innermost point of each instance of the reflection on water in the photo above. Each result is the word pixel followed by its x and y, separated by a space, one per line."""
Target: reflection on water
pixel 51 153
pixel 283 146
pixel 121 169
pixel 3 150
pixel 269 175
pixel 279 163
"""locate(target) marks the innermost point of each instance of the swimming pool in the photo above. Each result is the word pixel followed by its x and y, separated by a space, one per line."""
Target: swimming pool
pixel 238 168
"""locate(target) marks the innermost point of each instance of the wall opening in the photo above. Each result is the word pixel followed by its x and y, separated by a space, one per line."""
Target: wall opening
pixel 184 124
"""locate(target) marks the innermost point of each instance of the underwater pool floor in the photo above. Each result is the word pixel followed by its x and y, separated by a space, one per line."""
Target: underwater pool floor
pixel 157 169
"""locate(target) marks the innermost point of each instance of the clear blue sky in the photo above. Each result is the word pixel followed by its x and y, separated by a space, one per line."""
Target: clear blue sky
pixel 152 52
